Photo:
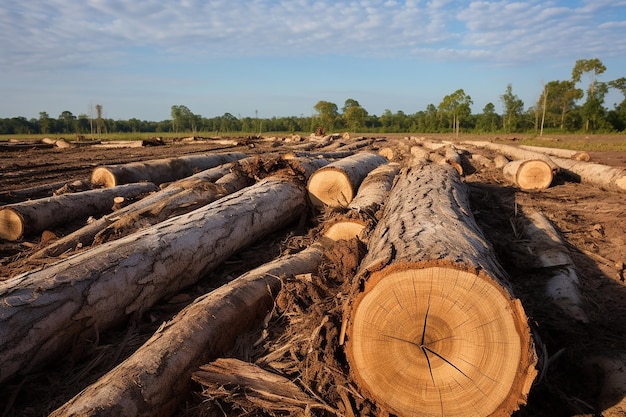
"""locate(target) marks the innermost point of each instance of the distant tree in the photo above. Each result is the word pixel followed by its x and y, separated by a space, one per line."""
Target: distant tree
pixel 595 99
pixel 488 120
pixel 560 99
pixel 67 119
pixel 99 123
pixel 354 115
pixel 45 123
pixel 327 113
pixel 617 116
pixel 183 119
pixel 456 106
pixel 513 108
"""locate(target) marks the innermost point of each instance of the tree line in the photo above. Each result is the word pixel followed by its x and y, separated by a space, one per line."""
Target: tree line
pixel 563 107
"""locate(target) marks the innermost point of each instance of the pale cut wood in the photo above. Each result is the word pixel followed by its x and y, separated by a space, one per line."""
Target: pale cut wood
pixel 550 252
pixel 606 177
pixel 336 184
pixel 561 153
pixel 34 216
pixel 119 144
pixel 375 188
pixel 159 171
pixel 500 161
pixel 206 329
pixel 43 312
pixel 432 326
pixel 529 175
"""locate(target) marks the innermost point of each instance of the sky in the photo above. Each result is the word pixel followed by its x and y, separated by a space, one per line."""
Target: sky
pixel 279 58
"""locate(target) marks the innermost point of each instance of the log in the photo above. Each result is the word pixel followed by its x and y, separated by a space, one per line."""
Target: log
pixel 43 312
pixel 143 385
pixel 432 326
pixel 514 152
pixel 606 177
pixel 529 175
pixel 33 192
pixel 336 184
pixel 34 216
pixel 85 235
pixel 561 153
pixel 363 209
pixel 551 254
pixel 159 171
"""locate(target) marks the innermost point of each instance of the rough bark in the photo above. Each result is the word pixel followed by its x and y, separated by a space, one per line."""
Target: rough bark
pixel 143 385
pixel 561 153
pixel 336 184
pixel 529 175
pixel 552 255
pixel 432 327
pixel 159 171
pixel 34 216
pixel 42 312
pixel 606 177
pixel 85 235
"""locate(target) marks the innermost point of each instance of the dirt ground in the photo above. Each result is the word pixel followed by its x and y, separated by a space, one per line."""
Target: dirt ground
pixel 580 363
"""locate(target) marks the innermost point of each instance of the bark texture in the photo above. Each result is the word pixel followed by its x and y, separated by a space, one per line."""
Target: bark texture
pixel 606 177
pixel 34 216
pixel 42 312
pixel 561 153
pixel 432 325
pixel 159 171
pixel 153 380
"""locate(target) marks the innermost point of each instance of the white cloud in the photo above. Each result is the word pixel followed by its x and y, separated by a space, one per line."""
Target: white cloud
pixel 60 33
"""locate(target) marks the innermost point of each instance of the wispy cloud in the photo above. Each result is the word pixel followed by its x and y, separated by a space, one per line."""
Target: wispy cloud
pixel 53 33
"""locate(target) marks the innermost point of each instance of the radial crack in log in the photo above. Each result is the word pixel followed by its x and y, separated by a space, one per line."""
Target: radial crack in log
pixel 432 326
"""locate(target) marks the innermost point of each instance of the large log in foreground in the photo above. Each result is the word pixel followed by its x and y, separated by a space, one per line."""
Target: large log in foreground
pixel 336 184
pixel 34 216
pixel 432 327
pixel 159 171
pixel 153 380
pixel 42 312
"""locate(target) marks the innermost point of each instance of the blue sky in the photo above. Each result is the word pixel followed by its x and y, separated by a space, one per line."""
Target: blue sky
pixel 280 57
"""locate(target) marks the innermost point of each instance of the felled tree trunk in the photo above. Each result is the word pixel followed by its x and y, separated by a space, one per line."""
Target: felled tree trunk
pixel 432 327
pixel 153 380
pixel 514 152
pixel 159 171
pixel 34 216
pixel 85 235
pixel 561 153
pixel 364 207
pixel 42 312
pixel 529 175
pixel 551 255
pixel 606 177
pixel 336 184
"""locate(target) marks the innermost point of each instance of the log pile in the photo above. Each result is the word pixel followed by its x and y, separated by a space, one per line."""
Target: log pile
pixel 421 311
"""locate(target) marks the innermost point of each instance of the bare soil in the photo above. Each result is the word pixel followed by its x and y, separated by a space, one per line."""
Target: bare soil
pixel 573 373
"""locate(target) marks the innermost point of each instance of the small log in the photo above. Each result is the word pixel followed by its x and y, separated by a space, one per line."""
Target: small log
pixel 43 312
pixel 204 330
pixel 453 158
pixel 34 216
pixel 34 192
pixel 336 184
pixel 529 175
pixel 606 177
pixel 551 254
pixel 364 207
pixel 115 144
pixel 500 161
pixel 561 153
pixel 251 386
pixel 159 171
pixel 432 326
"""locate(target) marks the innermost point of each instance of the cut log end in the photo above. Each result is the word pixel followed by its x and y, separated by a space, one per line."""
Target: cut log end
pixel 529 174
pixel 330 187
pixel 11 224
pixel 440 341
pixel 344 230
pixel 103 177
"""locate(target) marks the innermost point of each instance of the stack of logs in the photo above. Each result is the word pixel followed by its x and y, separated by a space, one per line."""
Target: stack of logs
pixel 431 326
